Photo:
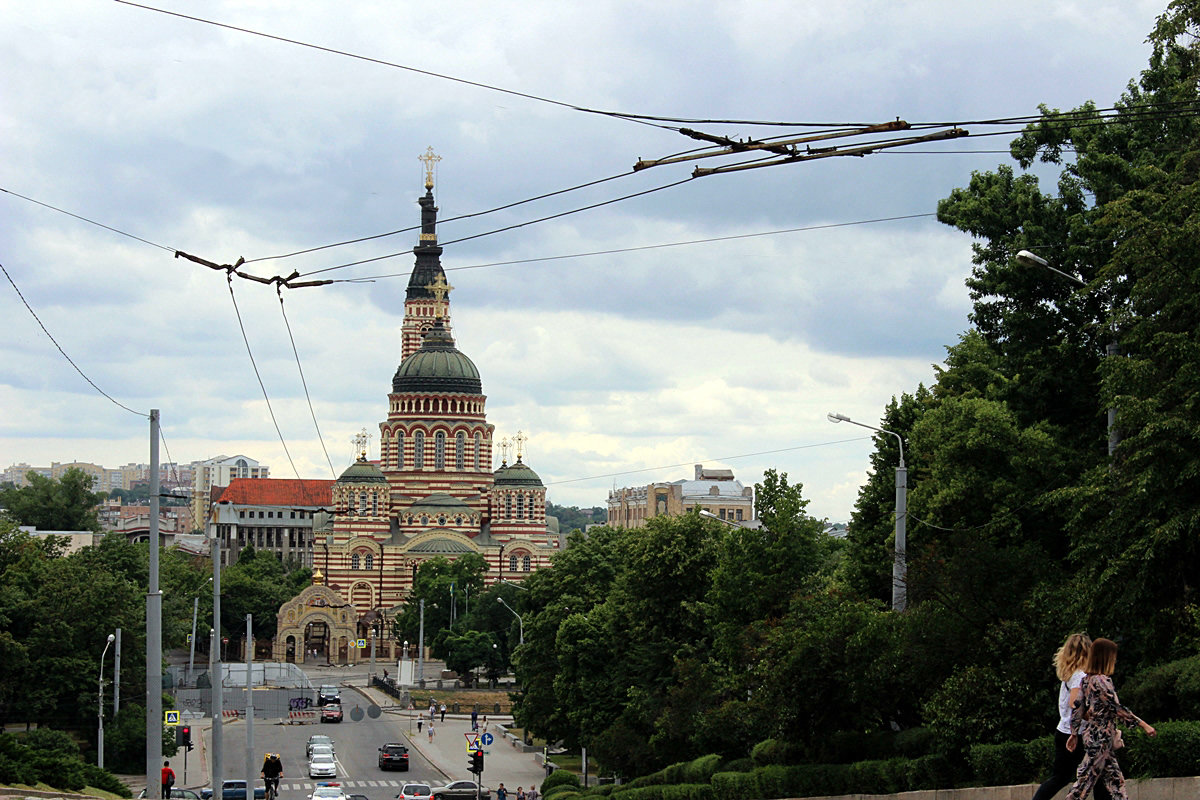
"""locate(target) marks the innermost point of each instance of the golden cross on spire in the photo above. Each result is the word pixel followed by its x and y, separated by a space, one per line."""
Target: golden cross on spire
pixel 361 441
pixel 440 291
pixel 504 448
pixel 520 439
pixel 430 158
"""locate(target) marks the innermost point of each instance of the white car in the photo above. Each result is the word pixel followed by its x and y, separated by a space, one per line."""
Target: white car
pixel 320 749
pixel 415 791
pixel 325 791
pixel 322 765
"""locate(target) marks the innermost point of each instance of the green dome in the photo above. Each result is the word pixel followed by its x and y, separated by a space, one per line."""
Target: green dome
pixel 439 503
pixel 362 471
pixel 516 475
pixel 437 367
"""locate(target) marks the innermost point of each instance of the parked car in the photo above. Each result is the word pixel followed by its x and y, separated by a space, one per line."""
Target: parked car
pixel 328 694
pixel 233 790
pixel 176 794
pixel 332 713
pixel 316 738
pixel 460 790
pixel 415 791
pixel 357 797
pixel 322 765
pixel 393 755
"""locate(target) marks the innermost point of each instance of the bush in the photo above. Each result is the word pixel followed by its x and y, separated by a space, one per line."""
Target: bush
pixel 934 771
pixel 560 777
pixel 770 751
pixel 914 742
pixel 738 765
pixel 701 770
pixel 879 777
pixel 1172 753
pixel 1168 691
pixel 733 786
pixel 1002 764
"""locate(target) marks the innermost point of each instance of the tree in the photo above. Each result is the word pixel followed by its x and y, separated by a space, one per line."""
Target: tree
pixel 54 504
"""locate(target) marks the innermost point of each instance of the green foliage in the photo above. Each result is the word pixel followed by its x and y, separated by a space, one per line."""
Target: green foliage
pixel 1172 753
pixel 572 518
pixel 1166 691
pixel 51 757
pixel 1003 764
pixel 559 778
pixel 54 504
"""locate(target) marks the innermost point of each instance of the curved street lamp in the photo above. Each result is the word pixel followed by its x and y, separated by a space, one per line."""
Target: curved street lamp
pixel 899 565
pixel 1113 348
pixel 100 706
pixel 520 621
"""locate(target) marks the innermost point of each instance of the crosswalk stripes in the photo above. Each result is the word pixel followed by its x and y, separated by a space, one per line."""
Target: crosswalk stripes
pixel 310 785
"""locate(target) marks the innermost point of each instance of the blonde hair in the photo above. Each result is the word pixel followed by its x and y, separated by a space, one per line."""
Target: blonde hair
pixel 1072 656
pixel 1103 658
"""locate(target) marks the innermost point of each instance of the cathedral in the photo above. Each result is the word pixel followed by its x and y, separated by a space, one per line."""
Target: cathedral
pixel 433 492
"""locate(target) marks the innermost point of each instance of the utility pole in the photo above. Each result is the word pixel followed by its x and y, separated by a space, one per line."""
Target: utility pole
pixel 249 708
pixel 117 676
pixel 421 650
pixel 154 711
pixel 217 675
pixel 192 639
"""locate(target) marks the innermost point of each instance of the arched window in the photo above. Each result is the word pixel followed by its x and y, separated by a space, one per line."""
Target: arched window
pixel 507 505
pixel 362 502
pixel 371 561
pixel 419 450
pixel 512 563
pixel 478 451
pixel 524 564
pixel 354 562
pixel 374 504
pixel 520 506
pixel 439 450
pixel 400 450
pixel 460 444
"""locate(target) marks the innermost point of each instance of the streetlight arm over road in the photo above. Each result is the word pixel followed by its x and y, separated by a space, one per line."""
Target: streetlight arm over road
pixel 520 621
pixel 843 418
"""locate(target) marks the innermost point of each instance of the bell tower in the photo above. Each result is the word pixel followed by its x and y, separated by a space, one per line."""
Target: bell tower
pixel 427 298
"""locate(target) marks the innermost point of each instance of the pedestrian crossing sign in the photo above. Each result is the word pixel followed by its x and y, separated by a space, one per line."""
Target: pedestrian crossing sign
pixel 362 644
pixel 472 742
pixel 170 717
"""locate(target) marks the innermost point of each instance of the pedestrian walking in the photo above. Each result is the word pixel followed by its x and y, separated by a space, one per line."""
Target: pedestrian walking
pixel 420 721
pixel 168 780
pixel 443 709
pixel 501 793
pixel 1094 719
pixel 474 719
pixel 429 730
pixel 1069 661
pixel 520 793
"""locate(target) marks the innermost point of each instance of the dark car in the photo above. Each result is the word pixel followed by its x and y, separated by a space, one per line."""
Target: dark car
pixel 460 790
pixel 393 755
pixel 331 713
pixel 234 790
pixel 328 694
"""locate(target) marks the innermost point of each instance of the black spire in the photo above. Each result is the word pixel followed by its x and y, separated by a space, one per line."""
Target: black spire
pixel 428 265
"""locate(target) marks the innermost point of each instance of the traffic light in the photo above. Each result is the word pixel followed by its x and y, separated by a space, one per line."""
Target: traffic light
pixel 185 736
pixel 476 763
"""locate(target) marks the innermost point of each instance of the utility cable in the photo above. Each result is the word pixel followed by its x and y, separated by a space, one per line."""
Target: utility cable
pixel 703 460
pixel 443 221
pixel 303 382
pixel 505 228
pixel 89 221
pixel 246 339
pixel 64 352
pixel 640 119
pixel 659 246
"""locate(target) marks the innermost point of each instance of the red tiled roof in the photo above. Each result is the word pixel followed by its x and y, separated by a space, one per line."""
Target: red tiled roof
pixel 275 492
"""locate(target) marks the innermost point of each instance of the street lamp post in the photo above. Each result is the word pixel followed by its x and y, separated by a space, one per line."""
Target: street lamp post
pixel 1029 259
pixel 100 707
pixel 899 565
pixel 520 621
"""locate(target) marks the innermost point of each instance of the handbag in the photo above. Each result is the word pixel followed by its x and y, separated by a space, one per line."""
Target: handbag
pixel 1118 741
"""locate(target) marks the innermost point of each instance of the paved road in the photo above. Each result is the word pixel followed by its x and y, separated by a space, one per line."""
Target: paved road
pixel 356 746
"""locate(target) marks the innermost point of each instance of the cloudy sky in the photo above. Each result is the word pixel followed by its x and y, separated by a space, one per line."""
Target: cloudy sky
pixel 622 368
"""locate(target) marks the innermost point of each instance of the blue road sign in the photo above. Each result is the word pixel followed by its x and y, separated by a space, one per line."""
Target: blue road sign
pixel 487 739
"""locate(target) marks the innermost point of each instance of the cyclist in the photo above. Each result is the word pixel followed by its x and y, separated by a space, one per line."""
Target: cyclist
pixel 272 771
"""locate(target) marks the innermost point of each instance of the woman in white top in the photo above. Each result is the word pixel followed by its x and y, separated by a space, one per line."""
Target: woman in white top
pixel 1069 662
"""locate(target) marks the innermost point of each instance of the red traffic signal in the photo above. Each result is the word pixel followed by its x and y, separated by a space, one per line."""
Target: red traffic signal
pixel 475 765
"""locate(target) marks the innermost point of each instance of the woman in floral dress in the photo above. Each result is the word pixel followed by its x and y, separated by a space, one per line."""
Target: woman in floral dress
pixel 1094 718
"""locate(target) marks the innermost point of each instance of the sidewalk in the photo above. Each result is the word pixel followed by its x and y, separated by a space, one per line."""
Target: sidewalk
pixel 503 762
